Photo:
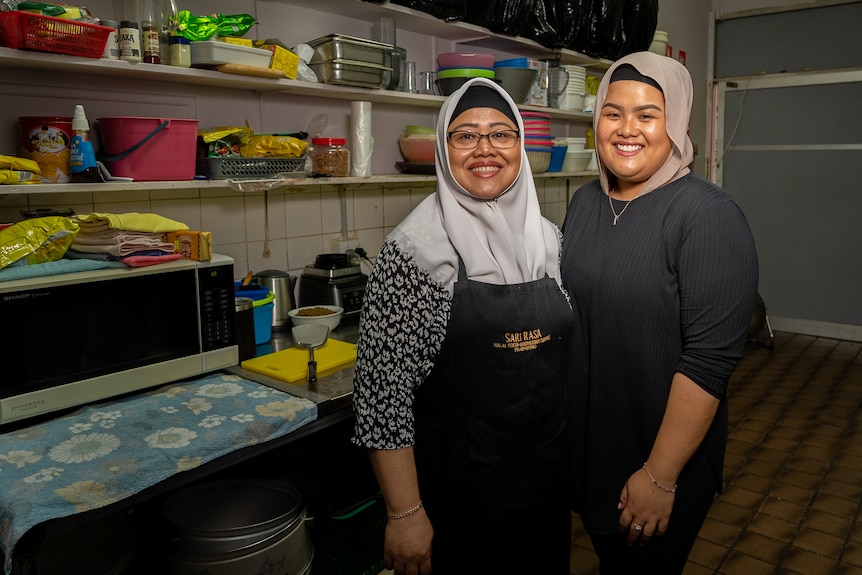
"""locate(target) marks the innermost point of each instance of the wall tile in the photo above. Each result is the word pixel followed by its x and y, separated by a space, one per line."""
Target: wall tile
pixel 330 200
pixel 302 251
pixel 396 204
pixel 368 206
pixel 303 214
pixel 187 211
pixel 223 216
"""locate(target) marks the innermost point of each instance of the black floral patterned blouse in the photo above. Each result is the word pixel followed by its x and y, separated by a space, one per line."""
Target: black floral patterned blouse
pixel 403 325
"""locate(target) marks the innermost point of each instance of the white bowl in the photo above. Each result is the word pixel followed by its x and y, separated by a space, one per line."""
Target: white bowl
pixel 576 161
pixel 331 319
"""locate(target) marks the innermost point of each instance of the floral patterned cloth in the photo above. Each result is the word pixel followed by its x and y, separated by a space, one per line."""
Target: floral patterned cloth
pixel 106 452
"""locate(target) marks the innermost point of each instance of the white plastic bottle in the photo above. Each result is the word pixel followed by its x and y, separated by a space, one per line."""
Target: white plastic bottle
pixel 82 159
pixel 130 41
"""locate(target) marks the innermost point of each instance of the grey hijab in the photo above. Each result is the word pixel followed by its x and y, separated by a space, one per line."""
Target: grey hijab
pixel 675 82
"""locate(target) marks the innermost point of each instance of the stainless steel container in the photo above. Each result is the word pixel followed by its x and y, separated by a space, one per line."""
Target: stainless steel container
pixel 350 73
pixel 282 284
pixel 225 527
pixel 341 47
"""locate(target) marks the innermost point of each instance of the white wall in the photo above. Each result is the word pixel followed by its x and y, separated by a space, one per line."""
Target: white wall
pixel 687 24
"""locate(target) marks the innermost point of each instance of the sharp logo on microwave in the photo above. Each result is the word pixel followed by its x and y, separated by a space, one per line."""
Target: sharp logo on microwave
pixel 28 406
pixel 23 296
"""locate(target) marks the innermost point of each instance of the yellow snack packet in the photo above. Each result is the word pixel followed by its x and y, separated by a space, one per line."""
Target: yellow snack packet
pixel 271 146
pixel 16 163
pixel 18 177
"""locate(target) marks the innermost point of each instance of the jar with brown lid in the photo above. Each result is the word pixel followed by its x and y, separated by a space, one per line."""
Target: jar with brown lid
pixel 329 157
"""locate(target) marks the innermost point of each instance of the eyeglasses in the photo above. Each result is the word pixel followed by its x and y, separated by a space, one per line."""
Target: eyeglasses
pixel 501 139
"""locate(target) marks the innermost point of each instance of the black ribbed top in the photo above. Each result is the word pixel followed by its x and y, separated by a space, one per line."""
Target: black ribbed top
pixel 670 288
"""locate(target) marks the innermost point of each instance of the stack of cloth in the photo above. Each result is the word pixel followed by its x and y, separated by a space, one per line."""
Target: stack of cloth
pixel 131 238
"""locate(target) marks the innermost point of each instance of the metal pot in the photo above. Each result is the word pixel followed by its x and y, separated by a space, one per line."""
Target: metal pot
pixel 239 526
pixel 282 284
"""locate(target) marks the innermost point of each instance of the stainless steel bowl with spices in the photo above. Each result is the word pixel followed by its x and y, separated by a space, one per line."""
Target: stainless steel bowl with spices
pixel 329 157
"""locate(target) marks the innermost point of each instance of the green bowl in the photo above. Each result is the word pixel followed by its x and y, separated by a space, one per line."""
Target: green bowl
pixel 465 73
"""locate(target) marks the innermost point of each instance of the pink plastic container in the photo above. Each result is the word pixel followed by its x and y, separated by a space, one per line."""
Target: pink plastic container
pixel 149 149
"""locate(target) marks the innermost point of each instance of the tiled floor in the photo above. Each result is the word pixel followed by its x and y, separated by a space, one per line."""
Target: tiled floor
pixel 792 502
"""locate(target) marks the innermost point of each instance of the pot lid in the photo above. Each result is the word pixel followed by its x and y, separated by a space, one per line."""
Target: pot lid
pixel 332 261
pixel 232 507
pixel 272 274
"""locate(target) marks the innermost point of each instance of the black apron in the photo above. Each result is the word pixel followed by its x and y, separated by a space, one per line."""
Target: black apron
pixel 491 452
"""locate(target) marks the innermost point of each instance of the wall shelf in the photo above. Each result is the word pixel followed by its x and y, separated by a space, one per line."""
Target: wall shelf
pixel 298 186
pixel 119 70
pixel 460 32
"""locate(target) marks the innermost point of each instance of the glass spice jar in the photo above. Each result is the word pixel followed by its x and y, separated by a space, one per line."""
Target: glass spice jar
pixel 329 157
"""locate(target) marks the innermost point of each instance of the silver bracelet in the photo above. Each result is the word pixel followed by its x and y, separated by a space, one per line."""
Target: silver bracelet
pixel 407 513
pixel 657 484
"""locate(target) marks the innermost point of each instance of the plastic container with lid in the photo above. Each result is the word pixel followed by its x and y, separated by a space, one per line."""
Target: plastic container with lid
pixel 659 43
pixel 130 41
pixel 329 157
pixel 180 52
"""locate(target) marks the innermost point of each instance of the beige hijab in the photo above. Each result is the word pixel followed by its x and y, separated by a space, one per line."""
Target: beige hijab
pixel 502 241
pixel 675 82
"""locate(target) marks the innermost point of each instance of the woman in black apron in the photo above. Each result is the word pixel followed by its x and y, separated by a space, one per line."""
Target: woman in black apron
pixel 459 391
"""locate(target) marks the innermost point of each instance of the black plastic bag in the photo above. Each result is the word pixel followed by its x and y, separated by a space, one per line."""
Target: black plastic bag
pixel 509 17
pixel 601 32
pixel 545 24
pixel 639 23
pixel 448 10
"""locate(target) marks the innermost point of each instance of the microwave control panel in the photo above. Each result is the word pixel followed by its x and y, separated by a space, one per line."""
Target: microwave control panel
pixel 216 300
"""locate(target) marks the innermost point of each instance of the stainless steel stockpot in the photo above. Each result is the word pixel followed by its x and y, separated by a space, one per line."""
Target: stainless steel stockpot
pixel 234 526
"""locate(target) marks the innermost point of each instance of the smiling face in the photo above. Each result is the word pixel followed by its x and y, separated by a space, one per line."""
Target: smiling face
pixel 631 134
pixel 485 171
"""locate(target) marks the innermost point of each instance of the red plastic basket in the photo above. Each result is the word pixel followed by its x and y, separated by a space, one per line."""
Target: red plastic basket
pixel 20 29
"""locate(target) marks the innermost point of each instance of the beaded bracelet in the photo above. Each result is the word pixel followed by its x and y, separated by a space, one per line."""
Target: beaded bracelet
pixel 657 484
pixel 407 513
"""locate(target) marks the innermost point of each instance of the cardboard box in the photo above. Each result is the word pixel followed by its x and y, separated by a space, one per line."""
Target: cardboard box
pixel 539 92
pixel 282 58
pixel 192 245
pixel 238 41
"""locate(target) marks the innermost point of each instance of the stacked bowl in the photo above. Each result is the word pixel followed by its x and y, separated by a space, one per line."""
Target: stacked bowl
pixel 417 145
pixel 455 68
pixel 538 140
pixel 573 96
pixel 577 157
pixel 516 77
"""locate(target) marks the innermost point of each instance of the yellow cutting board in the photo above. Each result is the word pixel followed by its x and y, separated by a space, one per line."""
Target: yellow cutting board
pixel 291 365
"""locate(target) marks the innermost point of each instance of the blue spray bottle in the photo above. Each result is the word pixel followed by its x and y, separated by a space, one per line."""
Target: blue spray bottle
pixel 82 159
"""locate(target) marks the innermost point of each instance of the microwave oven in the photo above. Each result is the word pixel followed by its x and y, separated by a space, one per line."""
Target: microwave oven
pixel 75 338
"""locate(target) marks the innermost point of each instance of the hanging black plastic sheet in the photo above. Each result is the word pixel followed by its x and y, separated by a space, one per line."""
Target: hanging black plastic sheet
pixel 612 28
pixel 546 26
pixel 448 10
pixel 510 17
pixel 639 24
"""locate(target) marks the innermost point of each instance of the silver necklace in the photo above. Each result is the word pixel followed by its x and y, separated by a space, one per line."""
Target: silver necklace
pixel 625 207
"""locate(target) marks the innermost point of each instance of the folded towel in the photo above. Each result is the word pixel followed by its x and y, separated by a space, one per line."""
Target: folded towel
pixel 139 261
pixel 121 243
pixel 61 266
pixel 131 221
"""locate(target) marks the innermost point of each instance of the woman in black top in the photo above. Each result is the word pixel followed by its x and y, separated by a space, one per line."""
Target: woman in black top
pixel 662 270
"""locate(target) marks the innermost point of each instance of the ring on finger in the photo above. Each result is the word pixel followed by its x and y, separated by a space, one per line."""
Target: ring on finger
pixel 637 527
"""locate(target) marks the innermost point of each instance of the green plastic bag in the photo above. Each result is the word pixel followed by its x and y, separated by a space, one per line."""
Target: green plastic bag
pixel 198 28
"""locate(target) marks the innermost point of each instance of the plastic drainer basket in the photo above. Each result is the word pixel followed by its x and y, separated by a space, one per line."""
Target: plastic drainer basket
pixel 350 542
pixel 19 29
pixel 239 168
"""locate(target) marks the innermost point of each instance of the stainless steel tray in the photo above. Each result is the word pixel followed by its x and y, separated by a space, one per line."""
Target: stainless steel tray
pixel 350 73
pixel 341 47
